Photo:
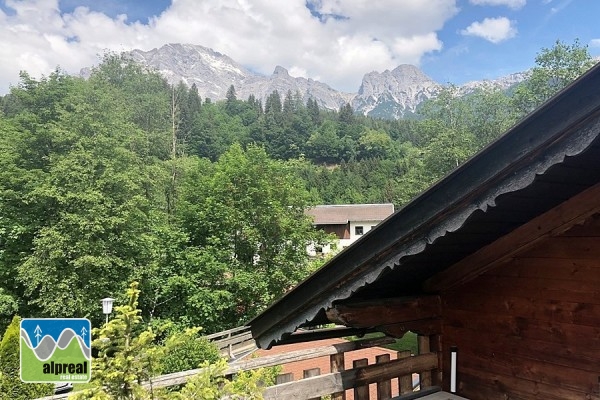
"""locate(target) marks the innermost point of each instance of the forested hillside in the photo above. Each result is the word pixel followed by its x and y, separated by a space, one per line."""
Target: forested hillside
pixel 123 177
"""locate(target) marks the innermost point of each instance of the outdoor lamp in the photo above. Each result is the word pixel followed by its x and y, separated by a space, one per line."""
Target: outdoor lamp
pixel 107 304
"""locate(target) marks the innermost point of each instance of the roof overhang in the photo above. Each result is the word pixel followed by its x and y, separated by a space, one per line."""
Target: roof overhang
pixel 548 157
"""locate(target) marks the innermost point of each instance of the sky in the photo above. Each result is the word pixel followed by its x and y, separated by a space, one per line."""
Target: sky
pixel 334 41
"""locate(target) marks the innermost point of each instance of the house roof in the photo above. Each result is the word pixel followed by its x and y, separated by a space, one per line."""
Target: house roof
pixel 341 214
pixel 548 157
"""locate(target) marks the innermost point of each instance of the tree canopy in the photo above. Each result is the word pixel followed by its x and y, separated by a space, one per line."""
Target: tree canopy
pixel 124 177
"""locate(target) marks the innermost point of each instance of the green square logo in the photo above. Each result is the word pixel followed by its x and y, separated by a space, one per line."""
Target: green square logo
pixel 56 350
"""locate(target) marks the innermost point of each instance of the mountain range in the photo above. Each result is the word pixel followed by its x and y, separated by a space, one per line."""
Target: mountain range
pixel 388 94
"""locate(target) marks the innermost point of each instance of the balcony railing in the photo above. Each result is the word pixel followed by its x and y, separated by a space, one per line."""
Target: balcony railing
pixel 337 382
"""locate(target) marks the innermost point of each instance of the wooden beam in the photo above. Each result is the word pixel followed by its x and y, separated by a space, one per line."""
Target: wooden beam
pixel 361 392
pixel 306 354
pixel 340 381
pixel 309 373
pixel 421 327
pixel 368 314
pixel 179 378
pixel 320 334
pixel 424 347
pixel 384 388
pixel 405 383
pixel 336 364
pixel 435 345
pixel 554 222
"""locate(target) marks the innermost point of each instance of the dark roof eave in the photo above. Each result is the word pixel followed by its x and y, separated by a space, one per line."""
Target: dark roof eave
pixel 563 126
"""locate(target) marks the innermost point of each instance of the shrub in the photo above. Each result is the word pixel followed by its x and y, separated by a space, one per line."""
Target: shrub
pixel 185 351
pixel 128 356
pixel 11 387
pixel 210 384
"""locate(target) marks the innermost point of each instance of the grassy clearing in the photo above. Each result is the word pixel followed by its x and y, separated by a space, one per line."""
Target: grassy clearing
pixel 406 342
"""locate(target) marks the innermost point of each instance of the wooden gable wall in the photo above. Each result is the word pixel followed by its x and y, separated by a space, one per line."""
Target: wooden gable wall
pixel 530 328
pixel 342 231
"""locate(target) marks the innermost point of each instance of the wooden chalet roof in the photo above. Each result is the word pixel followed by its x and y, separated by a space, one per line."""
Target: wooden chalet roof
pixel 343 213
pixel 550 156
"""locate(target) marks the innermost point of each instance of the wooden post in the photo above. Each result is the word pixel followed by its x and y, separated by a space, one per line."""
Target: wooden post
pixel 361 392
pixel 435 345
pixel 384 389
pixel 284 378
pixel 336 362
pixel 307 373
pixel 404 381
pixel 424 377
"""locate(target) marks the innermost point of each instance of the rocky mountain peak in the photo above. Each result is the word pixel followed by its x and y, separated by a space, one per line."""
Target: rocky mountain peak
pixel 211 71
pixel 280 72
pixel 387 94
pixel 395 92
pixel 406 74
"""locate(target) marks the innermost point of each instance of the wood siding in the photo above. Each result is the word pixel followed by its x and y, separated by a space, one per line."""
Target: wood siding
pixel 341 231
pixel 530 328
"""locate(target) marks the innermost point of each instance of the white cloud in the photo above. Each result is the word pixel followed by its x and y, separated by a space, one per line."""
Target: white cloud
pixel 514 4
pixel 494 30
pixel 564 4
pixel 595 43
pixel 260 34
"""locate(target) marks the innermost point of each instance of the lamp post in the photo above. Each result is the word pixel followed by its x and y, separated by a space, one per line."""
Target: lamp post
pixel 107 304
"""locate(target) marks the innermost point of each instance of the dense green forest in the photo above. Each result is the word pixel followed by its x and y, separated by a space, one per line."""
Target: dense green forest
pixel 123 177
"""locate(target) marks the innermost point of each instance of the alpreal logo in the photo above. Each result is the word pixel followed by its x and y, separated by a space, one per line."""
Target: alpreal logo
pixel 55 350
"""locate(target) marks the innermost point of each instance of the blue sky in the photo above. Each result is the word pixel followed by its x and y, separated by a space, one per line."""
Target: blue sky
pixel 538 25
pixel 335 41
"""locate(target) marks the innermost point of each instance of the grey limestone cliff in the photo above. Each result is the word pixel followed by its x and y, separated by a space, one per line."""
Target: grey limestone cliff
pixel 389 94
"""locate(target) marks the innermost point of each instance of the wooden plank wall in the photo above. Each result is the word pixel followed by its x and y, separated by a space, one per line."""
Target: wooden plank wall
pixel 341 231
pixel 530 329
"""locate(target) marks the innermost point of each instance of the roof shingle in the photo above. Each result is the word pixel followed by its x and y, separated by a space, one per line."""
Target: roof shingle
pixel 344 213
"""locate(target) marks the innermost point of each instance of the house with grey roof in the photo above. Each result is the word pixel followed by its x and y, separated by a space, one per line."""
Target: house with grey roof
pixel 349 222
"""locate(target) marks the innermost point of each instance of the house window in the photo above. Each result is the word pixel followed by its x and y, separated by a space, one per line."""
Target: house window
pixel 358 230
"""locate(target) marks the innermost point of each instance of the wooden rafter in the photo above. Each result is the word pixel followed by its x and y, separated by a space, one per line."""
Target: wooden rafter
pixel 373 313
pixel 393 316
pixel 554 222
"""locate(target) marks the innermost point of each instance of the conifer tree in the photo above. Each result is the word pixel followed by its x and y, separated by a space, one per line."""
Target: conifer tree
pixel 11 386
pixel 231 105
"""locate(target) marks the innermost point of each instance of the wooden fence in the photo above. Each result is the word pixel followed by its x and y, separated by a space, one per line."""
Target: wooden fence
pixel 233 343
pixel 337 381
pixel 333 383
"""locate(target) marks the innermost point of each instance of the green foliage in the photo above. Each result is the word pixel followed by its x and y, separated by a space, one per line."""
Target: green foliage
pixel 211 384
pixel 124 177
pixel 8 306
pixel 92 197
pixel 376 144
pixel 11 387
pixel 324 145
pixel 252 239
pixel 406 342
pixel 555 68
pixel 186 350
pixel 128 357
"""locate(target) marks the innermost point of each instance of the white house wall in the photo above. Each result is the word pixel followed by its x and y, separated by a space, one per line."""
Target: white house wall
pixel 367 225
